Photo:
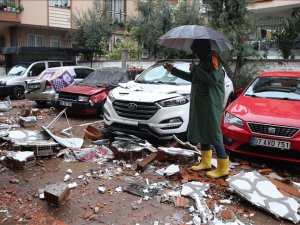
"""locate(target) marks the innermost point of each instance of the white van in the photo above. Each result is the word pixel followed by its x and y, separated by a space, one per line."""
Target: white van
pixel 13 84
pixel 156 104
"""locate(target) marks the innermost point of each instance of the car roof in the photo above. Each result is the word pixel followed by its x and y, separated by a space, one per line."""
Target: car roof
pixel 280 74
pixel 69 67
pixel 176 61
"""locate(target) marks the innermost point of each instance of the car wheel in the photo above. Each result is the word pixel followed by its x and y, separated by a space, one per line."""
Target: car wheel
pixel 100 111
pixel 18 92
pixel 41 104
pixel 229 100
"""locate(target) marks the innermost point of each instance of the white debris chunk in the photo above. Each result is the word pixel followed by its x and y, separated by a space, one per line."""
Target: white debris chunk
pixel 72 185
pixel 101 189
pixel 67 177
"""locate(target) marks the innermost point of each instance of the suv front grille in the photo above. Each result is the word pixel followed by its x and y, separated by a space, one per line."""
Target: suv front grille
pixel 267 129
pixel 135 110
pixel 68 96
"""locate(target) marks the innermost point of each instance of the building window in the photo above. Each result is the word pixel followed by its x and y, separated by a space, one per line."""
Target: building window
pixel 54 41
pixel 59 3
pixel 34 40
pixel 116 10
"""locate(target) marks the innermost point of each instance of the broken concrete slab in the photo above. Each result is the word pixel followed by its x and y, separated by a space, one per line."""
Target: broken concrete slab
pixel 19 160
pixel 29 121
pixel 261 192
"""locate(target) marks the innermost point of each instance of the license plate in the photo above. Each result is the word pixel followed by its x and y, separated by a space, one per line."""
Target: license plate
pixel 64 103
pixel 270 143
pixel 34 86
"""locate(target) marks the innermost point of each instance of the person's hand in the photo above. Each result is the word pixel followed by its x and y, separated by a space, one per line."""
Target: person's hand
pixel 168 66
pixel 192 65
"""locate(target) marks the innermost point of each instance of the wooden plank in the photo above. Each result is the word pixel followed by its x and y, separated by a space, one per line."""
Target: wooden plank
pixel 142 164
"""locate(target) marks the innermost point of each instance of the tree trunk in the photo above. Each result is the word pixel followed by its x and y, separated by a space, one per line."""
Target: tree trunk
pixel 237 70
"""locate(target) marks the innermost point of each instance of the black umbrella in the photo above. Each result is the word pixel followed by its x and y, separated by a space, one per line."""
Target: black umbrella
pixel 182 37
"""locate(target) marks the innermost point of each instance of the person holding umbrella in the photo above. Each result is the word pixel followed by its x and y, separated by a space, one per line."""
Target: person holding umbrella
pixel 206 106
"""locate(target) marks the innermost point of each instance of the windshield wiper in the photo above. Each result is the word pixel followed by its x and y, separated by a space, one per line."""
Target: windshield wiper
pixel 251 95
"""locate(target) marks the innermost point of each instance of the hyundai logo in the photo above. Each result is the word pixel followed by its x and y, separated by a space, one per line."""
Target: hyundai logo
pixel 132 106
pixel 271 130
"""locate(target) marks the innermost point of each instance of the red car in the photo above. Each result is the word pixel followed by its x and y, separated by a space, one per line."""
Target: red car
pixel 88 96
pixel 264 121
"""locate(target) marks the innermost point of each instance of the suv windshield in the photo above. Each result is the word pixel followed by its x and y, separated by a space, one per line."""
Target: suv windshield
pixel 275 87
pixel 157 74
pixel 18 70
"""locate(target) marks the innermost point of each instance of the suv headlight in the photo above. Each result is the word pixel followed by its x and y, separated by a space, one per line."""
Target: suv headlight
pixel 233 120
pixel 2 83
pixel 174 102
pixel 83 98
pixel 110 96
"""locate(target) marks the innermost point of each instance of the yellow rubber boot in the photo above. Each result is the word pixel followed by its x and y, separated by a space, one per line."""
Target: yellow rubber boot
pixel 222 169
pixel 205 161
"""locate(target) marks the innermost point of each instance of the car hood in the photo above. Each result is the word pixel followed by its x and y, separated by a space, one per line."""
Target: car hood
pixel 5 77
pixel 84 90
pixel 132 91
pixel 265 110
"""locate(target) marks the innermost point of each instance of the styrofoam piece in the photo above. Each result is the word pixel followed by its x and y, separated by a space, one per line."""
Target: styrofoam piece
pixel 214 162
pixel 296 185
pixel 263 193
pixel 189 188
pixel 67 177
pixel 20 156
pixel 178 151
pixel 196 190
pixel 171 170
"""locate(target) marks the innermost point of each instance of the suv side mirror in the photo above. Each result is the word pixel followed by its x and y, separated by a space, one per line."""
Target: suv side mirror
pixel 30 73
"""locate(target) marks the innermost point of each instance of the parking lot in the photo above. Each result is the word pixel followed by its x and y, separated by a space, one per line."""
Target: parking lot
pixel 86 204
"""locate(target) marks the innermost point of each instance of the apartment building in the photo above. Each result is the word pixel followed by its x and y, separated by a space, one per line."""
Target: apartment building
pixel 271 15
pixel 46 23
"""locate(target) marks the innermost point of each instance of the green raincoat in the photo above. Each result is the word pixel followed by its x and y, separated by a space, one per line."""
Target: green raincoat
pixel 206 100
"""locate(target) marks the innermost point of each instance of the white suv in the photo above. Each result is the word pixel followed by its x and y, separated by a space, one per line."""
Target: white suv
pixel 155 104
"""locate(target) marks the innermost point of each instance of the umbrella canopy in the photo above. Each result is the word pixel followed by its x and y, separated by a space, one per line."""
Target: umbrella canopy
pixel 183 36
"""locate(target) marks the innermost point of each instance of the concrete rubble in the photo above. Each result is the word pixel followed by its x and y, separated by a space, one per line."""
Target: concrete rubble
pixel 119 164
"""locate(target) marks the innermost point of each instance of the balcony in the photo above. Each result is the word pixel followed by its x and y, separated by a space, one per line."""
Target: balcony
pixel 10 11
pixel 13 17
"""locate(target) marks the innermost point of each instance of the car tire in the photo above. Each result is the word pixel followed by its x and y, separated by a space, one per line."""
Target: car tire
pixel 18 92
pixel 100 110
pixel 229 100
pixel 41 104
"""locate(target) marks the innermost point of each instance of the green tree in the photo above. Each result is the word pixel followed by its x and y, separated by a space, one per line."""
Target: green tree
pixel 286 36
pixel 128 42
pixel 235 22
pixel 188 13
pixel 156 17
pixel 152 22
pixel 91 27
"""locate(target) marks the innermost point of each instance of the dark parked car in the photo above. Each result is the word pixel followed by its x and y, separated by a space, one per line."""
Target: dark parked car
pixel 88 96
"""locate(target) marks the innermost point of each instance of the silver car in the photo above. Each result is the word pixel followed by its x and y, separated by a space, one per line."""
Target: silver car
pixel 43 89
